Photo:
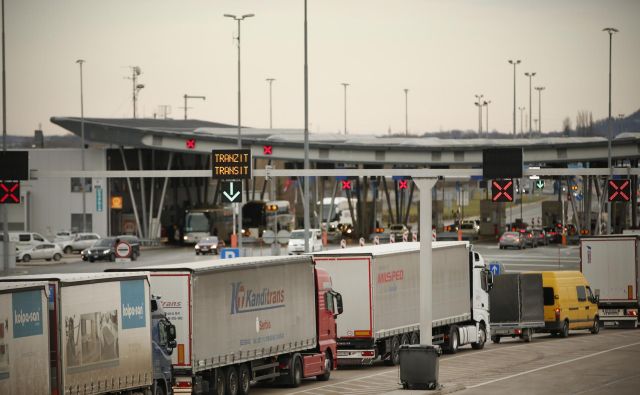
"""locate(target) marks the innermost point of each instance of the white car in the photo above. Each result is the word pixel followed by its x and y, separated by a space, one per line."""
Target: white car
pixel 46 251
pixel 296 241
pixel 80 242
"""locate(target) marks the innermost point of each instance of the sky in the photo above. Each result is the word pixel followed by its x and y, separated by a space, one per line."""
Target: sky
pixel 443 51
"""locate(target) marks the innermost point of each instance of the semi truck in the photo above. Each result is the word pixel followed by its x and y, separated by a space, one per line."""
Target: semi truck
pixel 611 265
pixel 380 285
pixel 246 320
pixel 516 302
pixel 24 338
pixel 102 335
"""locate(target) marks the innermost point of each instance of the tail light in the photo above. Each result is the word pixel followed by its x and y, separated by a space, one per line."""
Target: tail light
pixel 632 312
pixel 557 311
pixel 368 354
pixel 518 331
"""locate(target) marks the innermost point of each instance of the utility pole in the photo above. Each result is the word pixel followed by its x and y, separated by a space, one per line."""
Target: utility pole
pixel 479 105
pixel 521 112
pixel 611 31
pixel 185 102
pixel 486 104
pixel 345 106
pixel 514 63
pixel 135 72
pixel 406 112
pixel 539 89
pixel 270 81
pixel 82 179
pixel 530 75
pixel 5 210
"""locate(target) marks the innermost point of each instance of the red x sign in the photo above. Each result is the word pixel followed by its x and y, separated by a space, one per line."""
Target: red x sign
pixel 267 149
pixel 402 184
pixel 346 184
pixel 10 192
pixel 502 190
pixel 619 190
pixel 191 143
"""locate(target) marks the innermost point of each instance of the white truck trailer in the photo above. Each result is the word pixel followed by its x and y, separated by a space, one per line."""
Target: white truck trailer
pixel 24 338
pixel 380 285
pixel 246 320
pixel 100 335
pixel 611 264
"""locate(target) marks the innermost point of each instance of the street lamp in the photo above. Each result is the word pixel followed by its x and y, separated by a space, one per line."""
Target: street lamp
pixel 479 104
pixel 514 63
pixel 239 19
pixel 486 129
pixel 270 81
pixel 135 72
pixel 345 106
pixel 185 102
pixel 609 30
pixel 539 89
pixel 530 75
pixel 82 180
pixel 406 112
pixel 521 112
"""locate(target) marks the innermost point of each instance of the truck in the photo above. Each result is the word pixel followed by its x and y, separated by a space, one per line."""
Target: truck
pixel 24 338
pixel 380 285
pixel 611 265
pixel 103 334
pixel 245 320
pixel 516 302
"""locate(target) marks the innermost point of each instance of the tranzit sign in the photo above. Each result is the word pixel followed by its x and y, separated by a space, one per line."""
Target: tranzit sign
pixel 231 164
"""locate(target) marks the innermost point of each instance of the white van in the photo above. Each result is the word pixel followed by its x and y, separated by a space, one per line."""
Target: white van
pixel 296 241
pixel 25 239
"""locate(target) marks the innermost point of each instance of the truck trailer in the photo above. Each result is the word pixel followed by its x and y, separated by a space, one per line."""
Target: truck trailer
pixel 24 338
pixel 99 339
pixel 611 265
pixel 380 285
pixel 247 320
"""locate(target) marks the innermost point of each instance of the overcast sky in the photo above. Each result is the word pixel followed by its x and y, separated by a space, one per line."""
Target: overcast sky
pixel 444 52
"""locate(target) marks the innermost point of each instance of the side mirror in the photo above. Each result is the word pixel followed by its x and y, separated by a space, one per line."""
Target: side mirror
pixel 172 344
pixel 171 333
pixel 338 302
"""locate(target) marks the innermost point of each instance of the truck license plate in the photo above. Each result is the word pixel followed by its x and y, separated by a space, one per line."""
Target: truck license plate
pixel 611 312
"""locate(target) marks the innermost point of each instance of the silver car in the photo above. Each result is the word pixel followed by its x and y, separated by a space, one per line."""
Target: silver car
pixel 207 245
pixel 511 239
pixel 46 251
pixel 79 242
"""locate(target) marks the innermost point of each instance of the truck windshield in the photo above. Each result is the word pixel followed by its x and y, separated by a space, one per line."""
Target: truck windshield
pixel 196 222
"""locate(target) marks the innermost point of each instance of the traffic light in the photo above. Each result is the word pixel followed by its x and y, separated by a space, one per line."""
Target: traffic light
pixel 619 190
pixel 346 185
pixel 402 184
pixel 9 192
pixel 502 190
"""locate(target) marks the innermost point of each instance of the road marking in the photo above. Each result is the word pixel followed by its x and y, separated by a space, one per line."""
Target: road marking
pixel 344 382
pixel 554 365
pixel 531 264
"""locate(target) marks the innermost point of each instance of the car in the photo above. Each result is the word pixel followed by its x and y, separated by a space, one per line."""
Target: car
pixel 398 230
pixel 105 249
pixel 207 245
pixel 63 235
pixel 47 251
pixel 25 240
pixel 470 229
pixel 529 239
pixel 296 241
pixel 79 242
pixel 553 234
pixel 540 236
pixel 511 239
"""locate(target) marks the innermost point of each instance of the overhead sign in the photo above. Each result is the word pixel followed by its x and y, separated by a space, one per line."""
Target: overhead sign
pixel 619 190
pixel 402 184
pixel 190 143
pixel 502 190
pixel 9 192
pixel 229 253
pixel 231 191
pixel 501 163
pixel 231 164
pixel 346 185
pixel 14 165
pixel 540 184
pixel 267 149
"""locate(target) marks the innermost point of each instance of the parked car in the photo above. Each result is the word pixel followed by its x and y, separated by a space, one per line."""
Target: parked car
pixel 540 236
pixel 553 234
pixel 511 239
pixel 207 245
pixel 296 241
pixel 63 235
pixel 25 240
pixel 105 249
pixel 470 228
pixel 47 251
pixel 78 243
pixel 397 230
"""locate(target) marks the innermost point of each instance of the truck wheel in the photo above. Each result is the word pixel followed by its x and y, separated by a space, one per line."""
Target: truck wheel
pixel 231 379
pixel 595 329
pixel 328 366
pixel 564 332
pixel 526 335
pixel 454 340
pixel 495 339
pixel 415 338
pixel 219 387
pixel 295 372
pixel 394 352
pixel 159 389
pixel 482 338
pixel 404 339
pixel 244 379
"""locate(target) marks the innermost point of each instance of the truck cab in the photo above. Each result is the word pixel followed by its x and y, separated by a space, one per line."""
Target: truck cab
pixel 163 338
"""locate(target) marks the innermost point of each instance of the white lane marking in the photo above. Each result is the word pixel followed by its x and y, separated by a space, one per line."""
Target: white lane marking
pixel 345 381
pixel 531 264
pixel 554 365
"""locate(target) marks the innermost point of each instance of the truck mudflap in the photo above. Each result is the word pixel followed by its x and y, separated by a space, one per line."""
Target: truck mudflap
pixel 356 357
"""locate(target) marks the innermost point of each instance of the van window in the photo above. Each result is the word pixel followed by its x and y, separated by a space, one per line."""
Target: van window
pixel 24 237
pixel 548 295
pixel 582 294
pixel 37 237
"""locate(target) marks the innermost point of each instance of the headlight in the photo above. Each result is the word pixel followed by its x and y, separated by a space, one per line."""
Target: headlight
pixel 197 247
pixel 106 251
pixel 185 238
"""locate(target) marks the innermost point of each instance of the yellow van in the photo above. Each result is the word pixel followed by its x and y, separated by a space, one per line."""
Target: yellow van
pixel 568 303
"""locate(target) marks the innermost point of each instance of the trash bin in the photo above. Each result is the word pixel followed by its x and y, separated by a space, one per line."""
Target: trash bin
pixel 419 366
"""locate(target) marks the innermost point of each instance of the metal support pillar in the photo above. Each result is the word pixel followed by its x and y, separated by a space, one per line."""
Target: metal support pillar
pixel 386 192
pixel 163 194
pixel 153 167
pixel 426 260
pixel 333 202
pixel 143 194
pixel 408 210
pixel 131 195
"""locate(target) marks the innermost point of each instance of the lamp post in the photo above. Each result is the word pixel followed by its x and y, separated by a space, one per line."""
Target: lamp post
pixel 539 89
pixel 514 63
pixel 270 81
pixel 82 179
pixel 521 113
pixel 609 30
pixel 239 214
pixel 406 112
pixel 530 75
pixel 479 105
pixel 305 206
pixel 345 106
pixel 486 129
pixel 135 72
pixel 5 210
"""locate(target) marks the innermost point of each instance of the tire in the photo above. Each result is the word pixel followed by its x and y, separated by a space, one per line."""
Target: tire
pixel 454 340
pixel 112 257
pixel 134 256
pixel 219 387
pixel 482 338
pixel 92 260
pixel 405 339
pixel 231 379
pixel 26 258
pixel 328 366
pixel 295 373
pixel 495 339
pixel 527 335
pixel 68 250
pixel 244 379
pixel 415 338
pixel 394 352
pixel 564 332
pixel 159 389
pixel 57 257
pixel 595 329
pixel 197 253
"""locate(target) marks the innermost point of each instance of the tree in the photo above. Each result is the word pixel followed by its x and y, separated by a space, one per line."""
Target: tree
pixel 566 126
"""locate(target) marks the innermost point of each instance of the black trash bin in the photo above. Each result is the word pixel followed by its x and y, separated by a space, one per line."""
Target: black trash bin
pixel 419 366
